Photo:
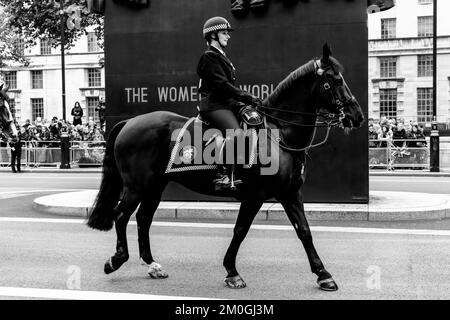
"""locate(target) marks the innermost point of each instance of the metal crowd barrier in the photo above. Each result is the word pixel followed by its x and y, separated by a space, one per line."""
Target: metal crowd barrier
pixel 399 154
pixel 383 154
pixel 48 154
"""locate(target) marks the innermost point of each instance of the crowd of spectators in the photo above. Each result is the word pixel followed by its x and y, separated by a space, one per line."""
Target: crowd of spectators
pixel 44 133
pixel 397 143
pixel 399 133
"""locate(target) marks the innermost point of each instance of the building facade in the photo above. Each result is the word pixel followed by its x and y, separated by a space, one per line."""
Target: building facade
pixel 401 62
pixel 35 90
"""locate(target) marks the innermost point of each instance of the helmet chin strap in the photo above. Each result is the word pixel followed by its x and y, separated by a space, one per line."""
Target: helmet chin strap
pixel 217 40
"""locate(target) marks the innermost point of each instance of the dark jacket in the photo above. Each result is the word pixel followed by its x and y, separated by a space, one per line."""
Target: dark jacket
pixel 101 108
pixel 217 89
pixel 77 112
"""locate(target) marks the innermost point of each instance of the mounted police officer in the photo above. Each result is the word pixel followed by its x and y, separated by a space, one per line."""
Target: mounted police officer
pixel 220 98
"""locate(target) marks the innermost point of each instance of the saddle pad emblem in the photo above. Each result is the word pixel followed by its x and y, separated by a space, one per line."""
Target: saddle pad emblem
pixel 188 154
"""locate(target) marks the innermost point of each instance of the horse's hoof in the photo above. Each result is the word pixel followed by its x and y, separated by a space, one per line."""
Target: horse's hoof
pixel 155 271
pixel 235 282
pixel 327 284
pixel 108 267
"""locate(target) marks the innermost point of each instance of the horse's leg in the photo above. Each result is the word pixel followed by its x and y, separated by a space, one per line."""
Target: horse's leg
pixel 247 212
pixel 295 211
pixel 125 208
pixel 144 218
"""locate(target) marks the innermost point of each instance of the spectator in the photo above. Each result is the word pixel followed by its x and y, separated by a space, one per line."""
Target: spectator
pixel 399 135
pixel 101 109
pixel 77 113
pixel 45 136
pixel 417 134
pixel 373 135
pixel 38 121
pixel 16 150
pixel 27 124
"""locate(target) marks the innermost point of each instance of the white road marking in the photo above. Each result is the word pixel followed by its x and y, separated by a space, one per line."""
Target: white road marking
pixel 40 190
pixel 84 295
pixel 12 195
pixel 418 232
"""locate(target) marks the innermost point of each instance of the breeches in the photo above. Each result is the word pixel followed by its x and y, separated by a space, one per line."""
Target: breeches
pixel 222 119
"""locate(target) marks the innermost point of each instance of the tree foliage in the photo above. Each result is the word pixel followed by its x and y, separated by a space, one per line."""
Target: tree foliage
pixel 9 43
pixel 37 19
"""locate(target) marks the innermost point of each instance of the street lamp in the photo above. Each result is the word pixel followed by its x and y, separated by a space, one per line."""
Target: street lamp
pixel 434 136
pixel 65 144
pixel 63 65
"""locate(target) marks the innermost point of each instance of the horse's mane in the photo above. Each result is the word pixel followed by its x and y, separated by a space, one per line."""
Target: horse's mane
pixel 4 95
pixel 288 82
pixel 302 71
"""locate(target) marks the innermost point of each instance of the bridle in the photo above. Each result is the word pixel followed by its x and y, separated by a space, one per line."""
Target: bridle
pixel 330 119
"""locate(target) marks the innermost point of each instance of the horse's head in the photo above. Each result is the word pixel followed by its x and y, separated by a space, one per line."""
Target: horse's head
pixel 3 94
pixel 333 94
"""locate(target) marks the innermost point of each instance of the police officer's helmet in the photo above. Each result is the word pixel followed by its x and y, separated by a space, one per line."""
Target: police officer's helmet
pixel 215 24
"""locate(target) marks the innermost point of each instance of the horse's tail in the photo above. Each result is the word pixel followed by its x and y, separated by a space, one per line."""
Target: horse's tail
pixel 103 213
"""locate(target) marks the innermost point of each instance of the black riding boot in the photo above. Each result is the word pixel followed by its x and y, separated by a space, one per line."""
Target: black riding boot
pixel 226 174
pixel 226 178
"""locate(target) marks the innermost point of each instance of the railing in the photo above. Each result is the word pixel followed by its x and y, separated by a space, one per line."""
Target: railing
pixel 383 154
pixel 399 154
pixel 48 154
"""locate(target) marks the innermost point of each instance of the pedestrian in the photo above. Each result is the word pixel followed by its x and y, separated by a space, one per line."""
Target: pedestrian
pixel 220 98
pixel 16 150
pixel 77 113
pixel 101 109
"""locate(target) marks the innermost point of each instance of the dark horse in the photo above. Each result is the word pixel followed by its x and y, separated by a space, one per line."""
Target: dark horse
pixel 6 119
pixel 138 151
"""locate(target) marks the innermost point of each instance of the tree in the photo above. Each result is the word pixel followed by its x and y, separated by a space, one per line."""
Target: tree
pixel 10 45
pixel 37 19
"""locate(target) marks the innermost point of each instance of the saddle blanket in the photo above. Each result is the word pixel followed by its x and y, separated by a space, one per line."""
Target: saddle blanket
pixel 197 147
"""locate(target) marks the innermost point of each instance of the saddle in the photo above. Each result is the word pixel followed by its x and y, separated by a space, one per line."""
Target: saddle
pixel 198 146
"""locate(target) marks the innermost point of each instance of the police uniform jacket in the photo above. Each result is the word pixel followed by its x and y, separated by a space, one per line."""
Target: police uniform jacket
pixel 217 82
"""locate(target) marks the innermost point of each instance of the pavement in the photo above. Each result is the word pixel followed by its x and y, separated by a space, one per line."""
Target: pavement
pixel 383 206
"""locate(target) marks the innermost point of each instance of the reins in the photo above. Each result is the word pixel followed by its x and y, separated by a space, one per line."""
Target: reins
pixel 328 124
pixel 331 120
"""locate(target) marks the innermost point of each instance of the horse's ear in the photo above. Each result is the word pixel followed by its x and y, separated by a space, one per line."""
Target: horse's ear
pixel 326 53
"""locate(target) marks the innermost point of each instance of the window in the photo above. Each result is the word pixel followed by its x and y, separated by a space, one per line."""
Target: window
pixel 12 107
pixel 94 78
pixel 37 108
pixel 37 81
pixel 388 103
pixel 92 42
pixel 15 109
pixel 425 26
pixel 45 47
pixel 424 104
pixel 388 28
pixel 11 79
pixel 425 65
pixel 388 67
pixel 20 46
pixel 92 103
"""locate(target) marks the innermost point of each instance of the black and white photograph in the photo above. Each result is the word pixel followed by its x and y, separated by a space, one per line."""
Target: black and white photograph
pixel 221 157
